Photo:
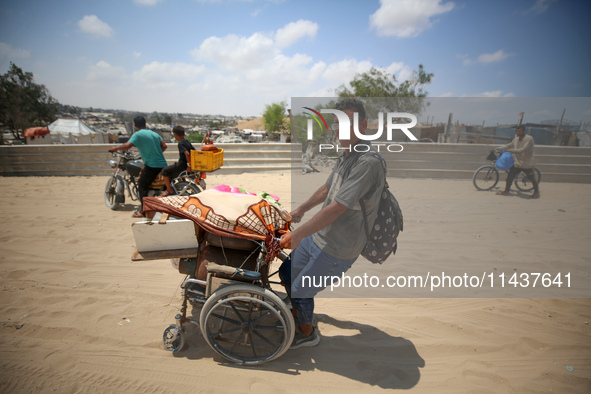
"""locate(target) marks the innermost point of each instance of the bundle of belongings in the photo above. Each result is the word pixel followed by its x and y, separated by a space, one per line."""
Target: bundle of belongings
pixel 230 219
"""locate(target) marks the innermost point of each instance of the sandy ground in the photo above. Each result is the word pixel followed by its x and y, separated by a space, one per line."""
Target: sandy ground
pixel 77 315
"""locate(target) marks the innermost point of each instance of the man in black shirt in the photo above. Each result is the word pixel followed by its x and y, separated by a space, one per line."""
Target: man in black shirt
pixel 174 170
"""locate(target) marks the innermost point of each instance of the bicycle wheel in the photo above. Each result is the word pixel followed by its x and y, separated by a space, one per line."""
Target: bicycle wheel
pixel 485 178
pixel 523 183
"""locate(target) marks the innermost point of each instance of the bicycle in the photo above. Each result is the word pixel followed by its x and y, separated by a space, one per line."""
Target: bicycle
pixel 487 176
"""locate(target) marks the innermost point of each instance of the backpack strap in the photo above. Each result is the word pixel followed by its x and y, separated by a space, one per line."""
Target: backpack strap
pixel 377 156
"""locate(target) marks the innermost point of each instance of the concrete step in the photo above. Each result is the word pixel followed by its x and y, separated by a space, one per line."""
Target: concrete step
pixel 483 149
pixel 472 166
pixel 480 158
pixel 269 161
pixel 463 174
pixel 267 169
pixel 253 147
pixel 418 160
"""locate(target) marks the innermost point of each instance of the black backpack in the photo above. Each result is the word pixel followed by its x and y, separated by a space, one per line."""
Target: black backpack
pixel 382 239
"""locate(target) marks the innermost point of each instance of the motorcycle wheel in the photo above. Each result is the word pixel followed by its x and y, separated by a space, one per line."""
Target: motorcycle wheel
pixel 187 188
pixel 111 194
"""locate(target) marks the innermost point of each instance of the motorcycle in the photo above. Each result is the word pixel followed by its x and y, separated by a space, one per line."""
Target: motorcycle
pixel 127 171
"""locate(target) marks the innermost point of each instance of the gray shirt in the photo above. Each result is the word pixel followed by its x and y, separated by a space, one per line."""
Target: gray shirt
pixel 346 237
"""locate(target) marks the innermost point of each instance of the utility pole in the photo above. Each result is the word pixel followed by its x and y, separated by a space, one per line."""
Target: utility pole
pixel 448 127
pixel 559 126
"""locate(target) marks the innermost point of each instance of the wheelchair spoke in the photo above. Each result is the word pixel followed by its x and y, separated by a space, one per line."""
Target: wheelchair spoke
pixel 276 328
pixel 265 339
pixel 236 312
pixel 231 350
pixel 224 318
pixel 214 334
pixel 254 352
pixel 263 314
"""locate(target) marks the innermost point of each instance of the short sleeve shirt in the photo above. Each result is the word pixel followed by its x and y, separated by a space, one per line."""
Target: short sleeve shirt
pixel 147 143
pixel 346 237
pixel 184 146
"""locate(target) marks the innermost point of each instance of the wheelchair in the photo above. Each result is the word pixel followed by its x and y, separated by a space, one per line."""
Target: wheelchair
pixel 227 291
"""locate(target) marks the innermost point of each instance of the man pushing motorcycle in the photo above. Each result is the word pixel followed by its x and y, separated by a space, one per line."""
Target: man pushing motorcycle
pixel 151 147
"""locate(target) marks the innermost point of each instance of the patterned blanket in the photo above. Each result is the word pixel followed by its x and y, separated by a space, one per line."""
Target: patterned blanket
pixel 227 214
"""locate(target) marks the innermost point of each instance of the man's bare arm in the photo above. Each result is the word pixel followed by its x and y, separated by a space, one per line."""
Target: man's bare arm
pixel 317 198
pixel 326 216
pixel 124 146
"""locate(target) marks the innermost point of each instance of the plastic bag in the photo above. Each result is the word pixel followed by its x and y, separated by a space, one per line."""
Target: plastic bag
pixel 505 161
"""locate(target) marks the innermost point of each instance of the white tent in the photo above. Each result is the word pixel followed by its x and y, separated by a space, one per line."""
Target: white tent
pixel 74 131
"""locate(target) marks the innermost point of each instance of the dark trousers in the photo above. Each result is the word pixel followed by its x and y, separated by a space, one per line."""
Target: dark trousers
pixel 174 170
pixel 514 171
pixel 147 176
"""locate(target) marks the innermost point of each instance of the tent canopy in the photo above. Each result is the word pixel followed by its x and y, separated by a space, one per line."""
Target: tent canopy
pixel 73 126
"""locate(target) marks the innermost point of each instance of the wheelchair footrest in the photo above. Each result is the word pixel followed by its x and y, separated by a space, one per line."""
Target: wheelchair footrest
pixel 233 272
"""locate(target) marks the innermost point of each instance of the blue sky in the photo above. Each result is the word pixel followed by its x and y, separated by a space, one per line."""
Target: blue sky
pixel 233 57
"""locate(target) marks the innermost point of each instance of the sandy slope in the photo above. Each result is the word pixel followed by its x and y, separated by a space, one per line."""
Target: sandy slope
pixel 78 316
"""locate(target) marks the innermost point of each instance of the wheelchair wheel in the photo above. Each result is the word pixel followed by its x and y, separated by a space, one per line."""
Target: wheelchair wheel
pixel 523 183
pixel 247 324
pixel 173 338
pixel 485 178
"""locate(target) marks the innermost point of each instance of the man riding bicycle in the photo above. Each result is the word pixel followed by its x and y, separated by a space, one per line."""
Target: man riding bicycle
pixel 522 148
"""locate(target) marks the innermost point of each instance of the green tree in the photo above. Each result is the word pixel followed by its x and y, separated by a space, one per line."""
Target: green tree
pixel 389 95
pixel 274 117
pixel 167 119
pixel 23 103
pixel 195 138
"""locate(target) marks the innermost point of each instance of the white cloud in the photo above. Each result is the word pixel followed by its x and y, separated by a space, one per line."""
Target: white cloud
pixel 406 18
pixel 147 2
pixel 496 57
pixel 494 93
pixel 167 75
pixel 137 54
pixel 292 32
pixel 234 52
pixel 237 53
pixel 92 25
pixel 485 58
pixel 9 53
pixel 257 65
pixel 232 75
pixel 541 6
pixel 104 72
pixel 402 71
pixel 344 70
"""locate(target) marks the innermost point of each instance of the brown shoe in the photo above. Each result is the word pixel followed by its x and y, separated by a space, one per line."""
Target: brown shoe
pixel 503 193
pixel 535 195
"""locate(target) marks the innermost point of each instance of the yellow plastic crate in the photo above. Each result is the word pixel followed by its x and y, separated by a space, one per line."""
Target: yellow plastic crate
pixel 207 160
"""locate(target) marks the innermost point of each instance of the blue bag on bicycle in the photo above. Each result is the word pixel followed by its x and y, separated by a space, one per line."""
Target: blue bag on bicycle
pixel 505 161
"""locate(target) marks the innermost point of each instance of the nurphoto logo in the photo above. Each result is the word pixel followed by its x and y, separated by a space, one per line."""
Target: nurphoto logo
pixel 344 128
